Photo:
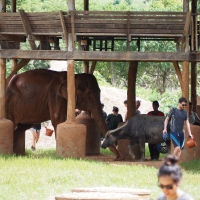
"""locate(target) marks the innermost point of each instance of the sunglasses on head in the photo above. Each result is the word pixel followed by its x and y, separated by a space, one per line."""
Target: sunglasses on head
pixel 184 104
pixel 169 187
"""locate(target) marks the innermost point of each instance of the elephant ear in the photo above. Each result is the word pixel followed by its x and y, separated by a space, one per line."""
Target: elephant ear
pixel 63 89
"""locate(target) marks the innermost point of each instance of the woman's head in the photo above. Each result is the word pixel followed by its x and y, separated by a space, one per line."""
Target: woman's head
pixel 169 175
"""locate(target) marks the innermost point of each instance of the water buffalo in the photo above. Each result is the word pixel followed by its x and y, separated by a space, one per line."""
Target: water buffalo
pixel 139 129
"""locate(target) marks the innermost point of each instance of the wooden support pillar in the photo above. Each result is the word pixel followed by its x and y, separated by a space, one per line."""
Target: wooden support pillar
pixel 86 4
pixel 185 79
pixel 194 84
pixel 2 87
pixel 131 93
pixel 92 68
pixel 6 126
pixel 194 64
pixel 71 137
pixel 131 108
pixel 70 92
pixel 2 5
pixel 13 5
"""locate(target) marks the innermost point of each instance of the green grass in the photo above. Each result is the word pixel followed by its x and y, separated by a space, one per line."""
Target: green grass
pixel 42 173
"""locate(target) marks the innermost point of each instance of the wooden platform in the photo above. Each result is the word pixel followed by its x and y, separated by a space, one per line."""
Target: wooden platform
pixel 104 193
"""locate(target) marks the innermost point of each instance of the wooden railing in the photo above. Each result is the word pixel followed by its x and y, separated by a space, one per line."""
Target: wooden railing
pixel 34 26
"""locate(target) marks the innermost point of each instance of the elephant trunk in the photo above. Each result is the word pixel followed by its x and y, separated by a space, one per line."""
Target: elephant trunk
pixel 97 114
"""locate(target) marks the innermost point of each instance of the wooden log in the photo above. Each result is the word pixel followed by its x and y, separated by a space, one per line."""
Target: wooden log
pixel 99 56
pixel 13 5
pixel 3 6
pixel 142 193
pixel 185 78
pixel 194 85
pixel 27 28
pixel 63 28
pixel 132 74
pixel 2 87
pixel 96 196
pixel 70 92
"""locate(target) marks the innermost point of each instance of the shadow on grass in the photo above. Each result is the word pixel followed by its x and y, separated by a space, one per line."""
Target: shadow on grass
pixel 192 166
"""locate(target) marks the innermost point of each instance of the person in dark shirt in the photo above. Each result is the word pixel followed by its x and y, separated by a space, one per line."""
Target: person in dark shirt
pixel 113 119
pixel 154 153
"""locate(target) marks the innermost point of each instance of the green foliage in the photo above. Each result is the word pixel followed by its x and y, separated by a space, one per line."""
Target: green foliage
pixel 167 100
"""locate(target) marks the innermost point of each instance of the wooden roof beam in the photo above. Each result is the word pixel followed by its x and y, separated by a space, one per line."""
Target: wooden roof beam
pixel 63 28
pixel 27 29
pixel 97 56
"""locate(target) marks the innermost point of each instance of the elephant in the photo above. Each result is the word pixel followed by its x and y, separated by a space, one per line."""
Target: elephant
pixel 39 95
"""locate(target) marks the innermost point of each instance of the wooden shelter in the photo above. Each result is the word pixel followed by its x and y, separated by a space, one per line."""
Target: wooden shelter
pixel 44 31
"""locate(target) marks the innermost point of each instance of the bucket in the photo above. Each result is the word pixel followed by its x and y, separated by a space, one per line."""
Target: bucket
pixel 49 132
pixel 191 143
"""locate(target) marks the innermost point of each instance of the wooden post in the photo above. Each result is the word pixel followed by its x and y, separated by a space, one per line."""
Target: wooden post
pixel 185 79
pixel 70 92
pixel 194 64
pixel 86 5
pixel 70 74
pixel 2 5
pixel 185 5
pixel 71 137
pixel 2 87
pixel 13 5
pixel 131 93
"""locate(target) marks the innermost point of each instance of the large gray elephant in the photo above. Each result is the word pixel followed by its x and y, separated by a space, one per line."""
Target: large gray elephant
pixel 39 95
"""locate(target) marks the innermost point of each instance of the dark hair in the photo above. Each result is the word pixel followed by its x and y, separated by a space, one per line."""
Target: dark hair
pixel 125 102
pixel 182 99
pixel 102 104
pixel 156 103
pixel 171 168
pixel 115 109
pixel 190 103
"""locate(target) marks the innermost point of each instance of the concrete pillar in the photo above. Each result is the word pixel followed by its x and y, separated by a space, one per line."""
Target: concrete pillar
pixel 188 154
pixel 93 134
pixel 6 126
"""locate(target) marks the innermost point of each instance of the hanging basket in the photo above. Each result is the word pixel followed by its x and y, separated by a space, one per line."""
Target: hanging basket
pixel 49 132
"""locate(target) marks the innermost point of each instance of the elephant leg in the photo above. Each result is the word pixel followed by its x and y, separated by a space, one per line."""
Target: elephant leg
pixel 142 149
pixel 130 150
pixel 19 139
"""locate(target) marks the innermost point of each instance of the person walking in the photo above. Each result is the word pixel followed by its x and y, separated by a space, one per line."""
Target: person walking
pixel 177 117
pixel 36 134
pixel 154 153
pixel 169 179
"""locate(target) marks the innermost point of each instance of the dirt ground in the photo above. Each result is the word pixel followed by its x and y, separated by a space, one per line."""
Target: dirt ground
pixel 110 97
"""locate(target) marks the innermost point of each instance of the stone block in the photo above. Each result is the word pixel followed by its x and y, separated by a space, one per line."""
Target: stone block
pixel 188 154
pixel 6 136
pixel 93 134
pixel 71 140
pixel 123 150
